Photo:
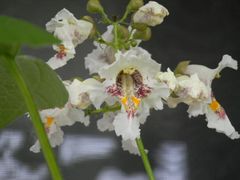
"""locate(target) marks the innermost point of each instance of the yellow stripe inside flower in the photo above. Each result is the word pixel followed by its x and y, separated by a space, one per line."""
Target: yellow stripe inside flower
pixel 214 105
pixel 49 122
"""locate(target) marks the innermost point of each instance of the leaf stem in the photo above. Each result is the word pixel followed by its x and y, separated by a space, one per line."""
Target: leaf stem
pixel 36 120
pixel 145 159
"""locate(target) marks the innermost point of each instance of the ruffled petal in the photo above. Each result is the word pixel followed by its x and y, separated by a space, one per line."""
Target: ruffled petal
pixel 125 127
pixel 221 124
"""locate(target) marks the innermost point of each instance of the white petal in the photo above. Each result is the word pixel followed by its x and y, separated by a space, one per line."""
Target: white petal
pixel 151 14
pixel 56 138
pixel 99 58
pixel 206 74
pixel 136 58
pixel 125 127
pixel 106 122
pixel 63 17
pixel 77 115
pixel 168 78
pixel 36 147
pixel 131 146
pixel 94 88
pixel 221 125
pixel 196 109
pixel 81 31
pixel 227 61
pixel 154 99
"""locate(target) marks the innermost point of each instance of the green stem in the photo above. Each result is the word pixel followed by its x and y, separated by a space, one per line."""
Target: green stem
pixel 113 108
pixel 145 160
pixel 116 44
pixel 36 120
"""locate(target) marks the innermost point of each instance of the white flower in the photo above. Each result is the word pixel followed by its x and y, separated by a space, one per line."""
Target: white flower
pixel 54 119
pixel 78 30
pixel 71 32
pixel 168 78
pixel 101 56
pixel 203 100
pixel 151 14
pixel 132 80
pixel 93 89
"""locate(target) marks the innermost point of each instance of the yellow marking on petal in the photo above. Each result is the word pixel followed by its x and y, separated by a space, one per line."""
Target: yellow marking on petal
pixel 214 105
pixel 49 121
pixel 136 101
pixel 124 100
pixel 129 70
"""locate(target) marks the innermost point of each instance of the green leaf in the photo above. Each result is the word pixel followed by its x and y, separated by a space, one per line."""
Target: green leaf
pixel 15 31
pixel 47 89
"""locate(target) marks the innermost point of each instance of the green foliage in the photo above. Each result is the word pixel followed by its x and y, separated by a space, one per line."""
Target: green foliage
pixel 47 89
pixel 15 31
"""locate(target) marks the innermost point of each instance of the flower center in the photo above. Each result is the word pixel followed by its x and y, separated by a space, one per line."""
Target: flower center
pixel 129 88
pixel 61 52
pixel 49 122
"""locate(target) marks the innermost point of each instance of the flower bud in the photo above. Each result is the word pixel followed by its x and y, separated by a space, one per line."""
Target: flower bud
pixel 94 6
pixel 143 35
pixel 150 14
pixel 134 5
pixel 139 26
pixel 123 32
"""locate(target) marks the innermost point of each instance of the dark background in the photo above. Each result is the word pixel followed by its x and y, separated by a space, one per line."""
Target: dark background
pixel 180 148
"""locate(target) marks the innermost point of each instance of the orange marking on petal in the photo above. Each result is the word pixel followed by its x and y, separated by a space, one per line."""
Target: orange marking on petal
pixel 49 122
pixel 214 105
pixel 136 101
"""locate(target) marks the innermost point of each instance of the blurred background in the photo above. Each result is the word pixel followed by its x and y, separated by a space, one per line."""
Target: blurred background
pixel 180 148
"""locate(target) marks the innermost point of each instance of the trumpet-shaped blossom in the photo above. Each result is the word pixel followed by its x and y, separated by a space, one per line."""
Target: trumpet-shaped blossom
pixel 71 32
pixel 202 99
pixel 131 80
pixel 54 119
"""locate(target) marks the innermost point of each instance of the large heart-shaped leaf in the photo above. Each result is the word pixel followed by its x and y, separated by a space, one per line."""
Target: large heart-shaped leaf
pixel 15 31
pixel 47 89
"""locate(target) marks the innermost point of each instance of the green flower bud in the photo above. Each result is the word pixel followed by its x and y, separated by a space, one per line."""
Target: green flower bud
pixel 94 6
pixel 123 32
pixel 134 43
pixel 139 26
pixel 143 35
pixel 88 18
pixel 134 5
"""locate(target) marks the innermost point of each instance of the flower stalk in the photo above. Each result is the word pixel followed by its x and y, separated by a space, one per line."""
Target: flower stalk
pixel 145 159
pixel 36 120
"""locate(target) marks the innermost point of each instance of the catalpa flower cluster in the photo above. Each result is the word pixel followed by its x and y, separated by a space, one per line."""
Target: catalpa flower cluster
pixel 125 83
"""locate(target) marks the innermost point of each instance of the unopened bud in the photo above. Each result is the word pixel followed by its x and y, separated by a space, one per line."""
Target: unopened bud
pixel 134 5
pixel 94 6
pixel 139 26
pixel 143 35
pixel 123 32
